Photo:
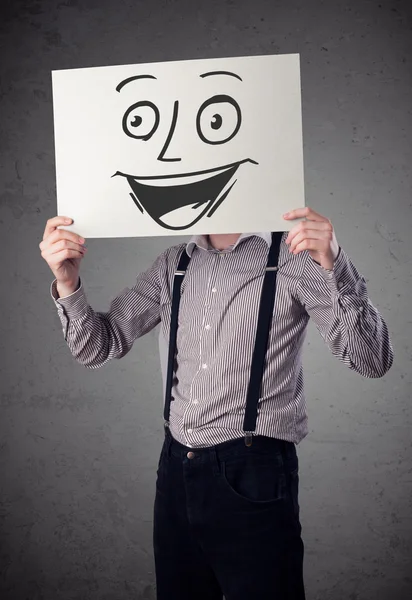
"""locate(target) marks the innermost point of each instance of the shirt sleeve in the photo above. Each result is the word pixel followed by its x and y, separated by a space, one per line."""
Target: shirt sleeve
pixel 337 301
pixel 96 337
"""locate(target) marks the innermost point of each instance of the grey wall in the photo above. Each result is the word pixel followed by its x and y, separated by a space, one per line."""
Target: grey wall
pixel 79 448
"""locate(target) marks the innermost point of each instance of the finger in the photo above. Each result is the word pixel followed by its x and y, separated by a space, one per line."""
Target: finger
pixel 308 226
pixel 315 234
pixel 319 245
pixel 58 258
pixel 305 211
pixel 62 244
pixel 52 224
pixel 60 234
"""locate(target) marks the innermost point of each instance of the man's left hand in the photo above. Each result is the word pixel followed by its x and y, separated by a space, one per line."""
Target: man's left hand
pixel 315 234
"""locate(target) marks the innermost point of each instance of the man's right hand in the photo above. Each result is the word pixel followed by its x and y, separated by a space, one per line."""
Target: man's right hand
pixel 63 250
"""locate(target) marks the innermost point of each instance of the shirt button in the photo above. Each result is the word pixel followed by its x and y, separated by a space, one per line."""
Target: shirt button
pixel 207 327
pixel 190 431
pixel 195 401
pixel 204 366
pixel 214 290
pixel 340 285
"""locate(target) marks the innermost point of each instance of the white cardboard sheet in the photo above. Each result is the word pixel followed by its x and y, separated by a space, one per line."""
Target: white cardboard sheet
pixel 174 148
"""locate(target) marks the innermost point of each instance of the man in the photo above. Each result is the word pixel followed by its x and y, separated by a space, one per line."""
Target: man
pixel 226 519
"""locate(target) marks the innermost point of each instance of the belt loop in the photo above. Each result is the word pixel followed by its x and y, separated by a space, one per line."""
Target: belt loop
pixel 214 460
pixel 284 450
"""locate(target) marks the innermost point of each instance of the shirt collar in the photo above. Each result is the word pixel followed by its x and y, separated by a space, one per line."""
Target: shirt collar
pixel 201 241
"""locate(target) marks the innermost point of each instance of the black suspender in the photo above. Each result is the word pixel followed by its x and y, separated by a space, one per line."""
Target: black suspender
pixel 267 300
pixel 177 284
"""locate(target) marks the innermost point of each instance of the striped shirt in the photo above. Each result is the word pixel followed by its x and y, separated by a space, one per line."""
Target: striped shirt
pixel 217 326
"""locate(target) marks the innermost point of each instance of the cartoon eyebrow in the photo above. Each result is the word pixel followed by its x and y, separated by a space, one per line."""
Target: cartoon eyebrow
pixel 129 79
pixel 221 73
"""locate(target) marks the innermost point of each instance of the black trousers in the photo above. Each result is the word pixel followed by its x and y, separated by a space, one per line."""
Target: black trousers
pixel 226 522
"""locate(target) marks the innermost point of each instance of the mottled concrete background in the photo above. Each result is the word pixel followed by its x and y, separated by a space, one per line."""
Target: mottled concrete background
pixel 79 448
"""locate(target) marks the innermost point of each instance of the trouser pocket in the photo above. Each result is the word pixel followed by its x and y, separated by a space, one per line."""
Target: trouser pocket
pixel 255 478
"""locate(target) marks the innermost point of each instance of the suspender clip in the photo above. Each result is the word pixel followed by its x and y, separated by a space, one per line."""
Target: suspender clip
pixel 179 272
pixel 272 268
pixel 248 440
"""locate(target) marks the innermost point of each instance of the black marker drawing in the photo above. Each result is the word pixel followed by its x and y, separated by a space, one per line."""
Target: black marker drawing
pixel 221 73
pixel 136 116
pixel 209 115
pixel 201 193
pixel 218 121
pixel 170 135
pixel 129 79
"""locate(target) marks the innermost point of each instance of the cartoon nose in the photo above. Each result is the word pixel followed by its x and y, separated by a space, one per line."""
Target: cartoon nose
pixel 163 151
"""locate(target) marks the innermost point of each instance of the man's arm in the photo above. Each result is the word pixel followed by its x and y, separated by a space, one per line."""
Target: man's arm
pixel 337 300
pixel 95 337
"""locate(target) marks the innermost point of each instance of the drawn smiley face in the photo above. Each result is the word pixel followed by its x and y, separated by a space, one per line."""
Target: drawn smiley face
pixel 167 198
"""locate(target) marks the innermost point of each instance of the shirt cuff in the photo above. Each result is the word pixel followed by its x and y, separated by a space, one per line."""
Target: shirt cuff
pixel 343 277
pixel 73 306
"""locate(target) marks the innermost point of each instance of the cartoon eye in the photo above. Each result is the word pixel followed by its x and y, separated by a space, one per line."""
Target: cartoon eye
pixel 141 120
pixel 218 120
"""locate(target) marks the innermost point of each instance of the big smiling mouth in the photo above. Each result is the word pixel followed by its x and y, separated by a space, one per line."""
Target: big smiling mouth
pixel 162 195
